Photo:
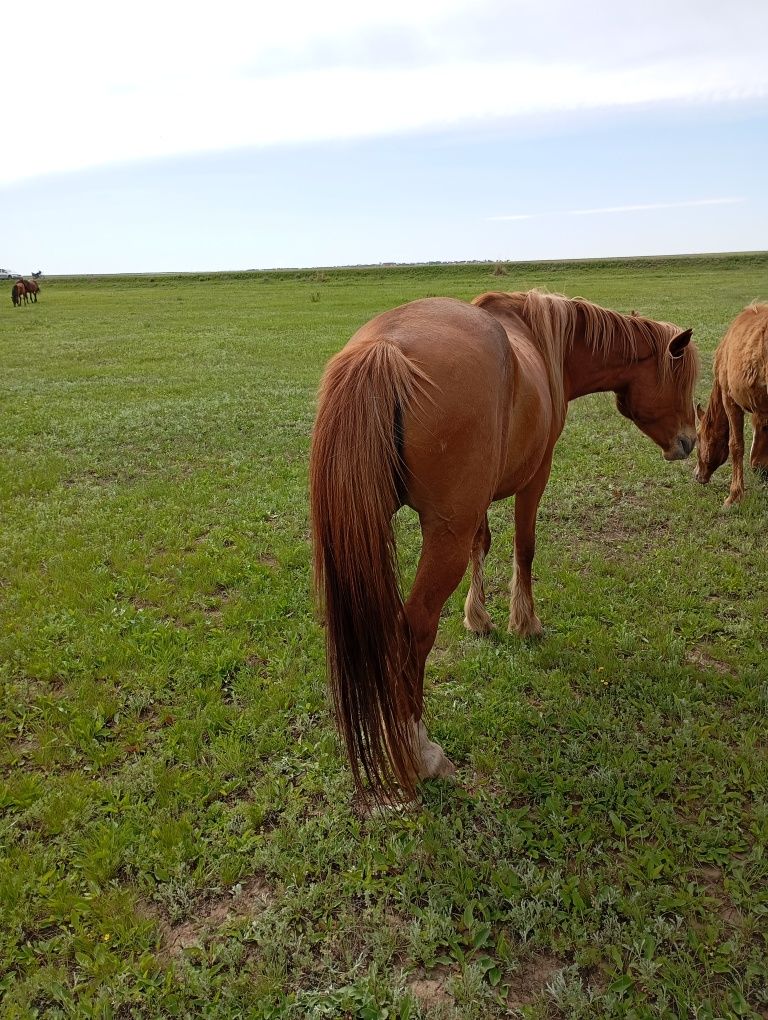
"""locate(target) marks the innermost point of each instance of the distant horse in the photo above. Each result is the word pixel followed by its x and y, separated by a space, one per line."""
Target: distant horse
pixel 18 292
pixel 740 385
pixel 32 288
pixel 445 407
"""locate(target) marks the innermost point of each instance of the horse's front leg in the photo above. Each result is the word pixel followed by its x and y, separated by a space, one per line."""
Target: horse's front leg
pixel 522 616
pixel 758 455
pixel 476 618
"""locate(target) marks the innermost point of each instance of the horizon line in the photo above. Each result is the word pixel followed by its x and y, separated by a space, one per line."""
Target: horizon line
pixel 406 265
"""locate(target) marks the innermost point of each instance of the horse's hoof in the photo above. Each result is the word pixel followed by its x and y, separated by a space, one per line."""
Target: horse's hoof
pixel 481 629
pixel 733 501
pixel 445 770
pixel 435 764
pixel 385 807
pixel 527 628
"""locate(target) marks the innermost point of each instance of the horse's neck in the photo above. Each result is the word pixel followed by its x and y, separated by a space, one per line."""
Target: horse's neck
pixel 589 369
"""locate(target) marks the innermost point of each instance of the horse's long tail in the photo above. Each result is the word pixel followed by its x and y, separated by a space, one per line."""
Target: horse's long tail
pixel 356 481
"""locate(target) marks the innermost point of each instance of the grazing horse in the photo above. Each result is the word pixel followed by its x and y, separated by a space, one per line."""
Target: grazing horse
pixel 740 385
pixel 32 287
pixel 18 291
pixel 446 406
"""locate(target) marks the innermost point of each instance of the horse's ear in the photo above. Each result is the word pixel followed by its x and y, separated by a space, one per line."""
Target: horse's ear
pixel 678 343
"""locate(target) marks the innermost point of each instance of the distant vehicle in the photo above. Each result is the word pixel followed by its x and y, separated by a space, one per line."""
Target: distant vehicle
pixel 5 275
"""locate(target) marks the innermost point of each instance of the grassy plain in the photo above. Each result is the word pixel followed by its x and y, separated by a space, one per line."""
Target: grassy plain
pixel 177 829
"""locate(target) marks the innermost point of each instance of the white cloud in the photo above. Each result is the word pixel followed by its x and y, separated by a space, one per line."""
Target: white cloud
pixel 152 79
pixel 648 207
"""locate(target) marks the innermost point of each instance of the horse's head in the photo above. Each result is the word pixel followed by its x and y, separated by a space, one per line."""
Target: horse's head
pixel 713 434
pixel 658 395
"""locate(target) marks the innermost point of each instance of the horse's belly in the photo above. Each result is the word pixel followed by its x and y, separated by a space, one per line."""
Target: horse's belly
pixel 454 436
pixel 529 436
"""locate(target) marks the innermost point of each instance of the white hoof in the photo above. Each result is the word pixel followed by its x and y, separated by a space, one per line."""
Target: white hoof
pixel 432 760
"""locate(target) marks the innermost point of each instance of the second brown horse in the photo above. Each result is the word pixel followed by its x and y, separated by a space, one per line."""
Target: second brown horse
pixel 740 385
pixel 445 407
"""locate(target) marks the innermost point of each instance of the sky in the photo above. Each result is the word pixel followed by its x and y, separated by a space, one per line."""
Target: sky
pixel 165 136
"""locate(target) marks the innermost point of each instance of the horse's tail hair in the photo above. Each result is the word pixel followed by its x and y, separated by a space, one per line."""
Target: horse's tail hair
pixel 357 478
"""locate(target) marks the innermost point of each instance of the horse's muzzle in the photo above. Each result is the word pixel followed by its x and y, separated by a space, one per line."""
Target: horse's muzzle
pixel 681 449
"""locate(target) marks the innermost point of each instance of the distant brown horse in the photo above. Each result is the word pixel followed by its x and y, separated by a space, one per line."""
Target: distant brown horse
pixel 740 385
pixel 445 407
pixel 32 287
pixel 18 293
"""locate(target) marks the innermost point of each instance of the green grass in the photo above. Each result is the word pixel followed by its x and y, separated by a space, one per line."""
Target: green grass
pixel 177 829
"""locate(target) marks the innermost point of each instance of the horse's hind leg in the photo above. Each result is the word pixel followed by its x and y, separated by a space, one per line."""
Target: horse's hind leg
pixel 476 618
pixel 735 449
pixel 444 555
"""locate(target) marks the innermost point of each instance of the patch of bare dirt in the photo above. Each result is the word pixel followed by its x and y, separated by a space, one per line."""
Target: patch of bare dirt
pixel 700 657
pixel 249 899
pixel 531 979
pixel 432 989
pixel 710 879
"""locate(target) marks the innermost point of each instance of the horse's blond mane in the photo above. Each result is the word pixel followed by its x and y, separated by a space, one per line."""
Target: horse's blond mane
pixel 556 320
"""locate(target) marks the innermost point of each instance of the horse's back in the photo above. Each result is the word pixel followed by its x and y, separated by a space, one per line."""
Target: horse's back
pixel 436 330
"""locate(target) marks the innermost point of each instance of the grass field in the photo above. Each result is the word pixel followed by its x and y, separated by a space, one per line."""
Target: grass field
pixel 177 829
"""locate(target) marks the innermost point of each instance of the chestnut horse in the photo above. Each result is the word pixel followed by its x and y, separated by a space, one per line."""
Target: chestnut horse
pixel 18 291
pixel 446 406
pixel 740 385
pixel 32 288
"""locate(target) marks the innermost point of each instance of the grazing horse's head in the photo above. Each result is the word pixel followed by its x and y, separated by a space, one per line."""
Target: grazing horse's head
pixel 658 392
